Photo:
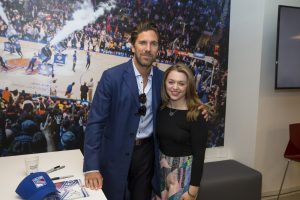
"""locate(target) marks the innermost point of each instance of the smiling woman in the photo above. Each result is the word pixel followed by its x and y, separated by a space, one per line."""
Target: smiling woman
pixel 178 90
pixel 182 134
pixel 176 85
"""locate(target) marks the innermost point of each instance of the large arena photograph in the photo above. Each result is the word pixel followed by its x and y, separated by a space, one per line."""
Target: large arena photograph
pixel 53 54
pixel 149 99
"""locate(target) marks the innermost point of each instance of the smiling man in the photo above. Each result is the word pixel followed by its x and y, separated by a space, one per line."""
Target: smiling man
pixel 121 152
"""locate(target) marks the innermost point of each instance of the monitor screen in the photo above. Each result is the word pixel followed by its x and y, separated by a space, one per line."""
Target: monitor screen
pixel 288 48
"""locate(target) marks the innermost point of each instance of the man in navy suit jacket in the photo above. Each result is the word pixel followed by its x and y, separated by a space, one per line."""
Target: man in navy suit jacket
pixel 120 151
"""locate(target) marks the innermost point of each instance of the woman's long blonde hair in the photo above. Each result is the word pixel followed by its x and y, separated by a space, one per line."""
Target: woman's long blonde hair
pixel 192 99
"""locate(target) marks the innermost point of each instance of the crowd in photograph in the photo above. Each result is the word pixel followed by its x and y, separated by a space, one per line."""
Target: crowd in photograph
pixel 35 124
pixel 186 27
pixel 181 24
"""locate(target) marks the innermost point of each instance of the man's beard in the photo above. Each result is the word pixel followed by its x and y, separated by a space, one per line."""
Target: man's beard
pixel 145 64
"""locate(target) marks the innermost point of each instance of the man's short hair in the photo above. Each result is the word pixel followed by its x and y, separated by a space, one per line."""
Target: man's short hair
pixel 144 26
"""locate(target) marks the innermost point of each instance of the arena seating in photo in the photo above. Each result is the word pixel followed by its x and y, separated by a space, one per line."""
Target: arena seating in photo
pixel 229 180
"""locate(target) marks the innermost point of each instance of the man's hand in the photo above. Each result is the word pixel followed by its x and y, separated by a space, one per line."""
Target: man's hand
pixel 204 112
pixel 93 180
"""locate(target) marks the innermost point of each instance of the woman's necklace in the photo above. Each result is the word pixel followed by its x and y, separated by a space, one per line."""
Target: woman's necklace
pixel 171 113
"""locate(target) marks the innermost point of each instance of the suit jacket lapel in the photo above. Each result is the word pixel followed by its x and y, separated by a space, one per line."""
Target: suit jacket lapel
pixel 156 84
pixel 130 80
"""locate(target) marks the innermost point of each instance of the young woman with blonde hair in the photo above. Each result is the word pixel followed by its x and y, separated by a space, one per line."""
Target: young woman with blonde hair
pixel 182 133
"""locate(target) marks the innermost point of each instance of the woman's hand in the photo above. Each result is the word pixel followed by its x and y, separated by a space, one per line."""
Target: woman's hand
pixel 164 163
pixel 191 194
pixel 186 196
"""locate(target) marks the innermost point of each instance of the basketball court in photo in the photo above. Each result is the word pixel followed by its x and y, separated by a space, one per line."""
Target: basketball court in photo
pixel 39 81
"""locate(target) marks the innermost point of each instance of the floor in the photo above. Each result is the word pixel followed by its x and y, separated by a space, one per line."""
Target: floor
pixel 294 196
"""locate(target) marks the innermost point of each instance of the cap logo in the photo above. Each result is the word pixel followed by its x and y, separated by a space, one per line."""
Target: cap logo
pixel 39 181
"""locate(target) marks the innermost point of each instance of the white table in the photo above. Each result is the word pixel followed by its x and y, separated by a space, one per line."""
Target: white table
pixel 12 171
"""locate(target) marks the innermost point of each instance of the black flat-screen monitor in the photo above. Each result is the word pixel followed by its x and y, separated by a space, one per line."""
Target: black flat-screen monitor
pixel 288 48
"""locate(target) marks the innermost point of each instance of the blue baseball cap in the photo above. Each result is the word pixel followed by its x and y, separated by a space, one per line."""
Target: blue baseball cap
pixel 36 186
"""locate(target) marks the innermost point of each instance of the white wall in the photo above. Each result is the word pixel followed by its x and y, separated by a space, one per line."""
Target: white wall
pixel 277 109
pixel 257 116
pixel 246 22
